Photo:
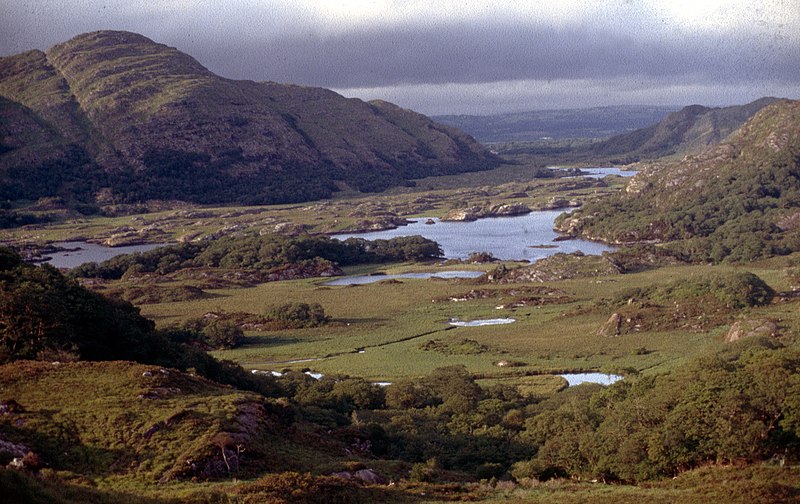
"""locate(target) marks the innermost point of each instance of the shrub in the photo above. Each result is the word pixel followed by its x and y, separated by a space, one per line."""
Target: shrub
pixel 298 314
pixel 220 333
pixel 736 290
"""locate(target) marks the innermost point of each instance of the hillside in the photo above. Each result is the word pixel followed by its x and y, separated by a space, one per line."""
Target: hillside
pixel 135 120
pixel 597 122
pixel 688 130
pixel 738 201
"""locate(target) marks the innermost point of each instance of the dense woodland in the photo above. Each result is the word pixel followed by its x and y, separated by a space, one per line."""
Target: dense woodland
pixel 267 252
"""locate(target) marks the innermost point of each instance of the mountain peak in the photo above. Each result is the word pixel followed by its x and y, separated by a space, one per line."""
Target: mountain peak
pixel 162 126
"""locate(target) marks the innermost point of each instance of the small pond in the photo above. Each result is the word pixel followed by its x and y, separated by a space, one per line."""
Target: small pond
pixel 91 252
pixel 368 279
pixel 483 322
pixel 601 378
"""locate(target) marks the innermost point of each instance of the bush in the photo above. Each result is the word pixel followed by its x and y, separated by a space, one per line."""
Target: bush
pixel 296 315
pixel 220 334
pixel 736 290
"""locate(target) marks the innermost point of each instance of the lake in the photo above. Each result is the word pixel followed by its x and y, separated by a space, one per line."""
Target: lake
pixel 506 238
pixel 91 252
pixel 598 173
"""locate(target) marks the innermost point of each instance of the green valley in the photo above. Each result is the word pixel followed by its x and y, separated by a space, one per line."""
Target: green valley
pixel 224 366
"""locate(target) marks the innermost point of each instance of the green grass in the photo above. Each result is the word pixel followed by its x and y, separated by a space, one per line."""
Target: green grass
pixel 392 321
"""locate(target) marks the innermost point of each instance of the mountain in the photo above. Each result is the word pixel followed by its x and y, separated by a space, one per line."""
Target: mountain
pixel 736 201
pixel 690 129
pixel 596 122
pixel 112 116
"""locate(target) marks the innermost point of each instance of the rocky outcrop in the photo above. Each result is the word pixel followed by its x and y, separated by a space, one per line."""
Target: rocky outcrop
pixel 559 266
pixel 557 203
pixel 476 212
pixel 612 326
pixel 367 476
pixel 750 328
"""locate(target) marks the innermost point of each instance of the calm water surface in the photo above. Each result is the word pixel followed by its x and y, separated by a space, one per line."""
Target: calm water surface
pixel 507 238
pixel 601 378
pixel 482 322
pixel 91 252
pixel 598 173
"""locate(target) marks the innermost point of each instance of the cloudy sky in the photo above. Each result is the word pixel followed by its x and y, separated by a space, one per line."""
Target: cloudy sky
pixel 467 56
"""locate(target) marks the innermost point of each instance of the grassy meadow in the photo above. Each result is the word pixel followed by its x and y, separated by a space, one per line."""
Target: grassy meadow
pixel 391 323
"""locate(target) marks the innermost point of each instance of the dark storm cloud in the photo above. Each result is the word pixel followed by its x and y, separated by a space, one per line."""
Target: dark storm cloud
pixel 470 57
pixel 471 54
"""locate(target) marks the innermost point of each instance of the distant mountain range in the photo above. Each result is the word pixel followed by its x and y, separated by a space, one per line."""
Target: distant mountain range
pixel 111 117
pixel 688 130
pixel 589 123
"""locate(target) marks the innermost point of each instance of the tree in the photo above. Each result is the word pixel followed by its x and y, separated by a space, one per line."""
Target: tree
pixel 220 333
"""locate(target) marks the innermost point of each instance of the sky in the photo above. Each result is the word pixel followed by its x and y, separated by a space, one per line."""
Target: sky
pixel 461 57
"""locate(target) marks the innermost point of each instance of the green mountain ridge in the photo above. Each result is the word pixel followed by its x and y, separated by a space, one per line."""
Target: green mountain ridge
pixel 739 200
pixel 150 122
pixel 688 130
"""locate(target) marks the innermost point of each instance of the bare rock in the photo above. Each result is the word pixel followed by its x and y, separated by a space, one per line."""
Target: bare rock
pixel 751 327
pixel 612 326
pixel 508 210
pixel 370 476
pixel 13 449
pixel 463 215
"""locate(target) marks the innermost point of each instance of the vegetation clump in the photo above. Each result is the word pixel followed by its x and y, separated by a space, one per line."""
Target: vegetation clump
pixel 297 315
pixel 305 255
pixel 47 316
pixel 465 346
pixel 735 290
pixel 696 304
